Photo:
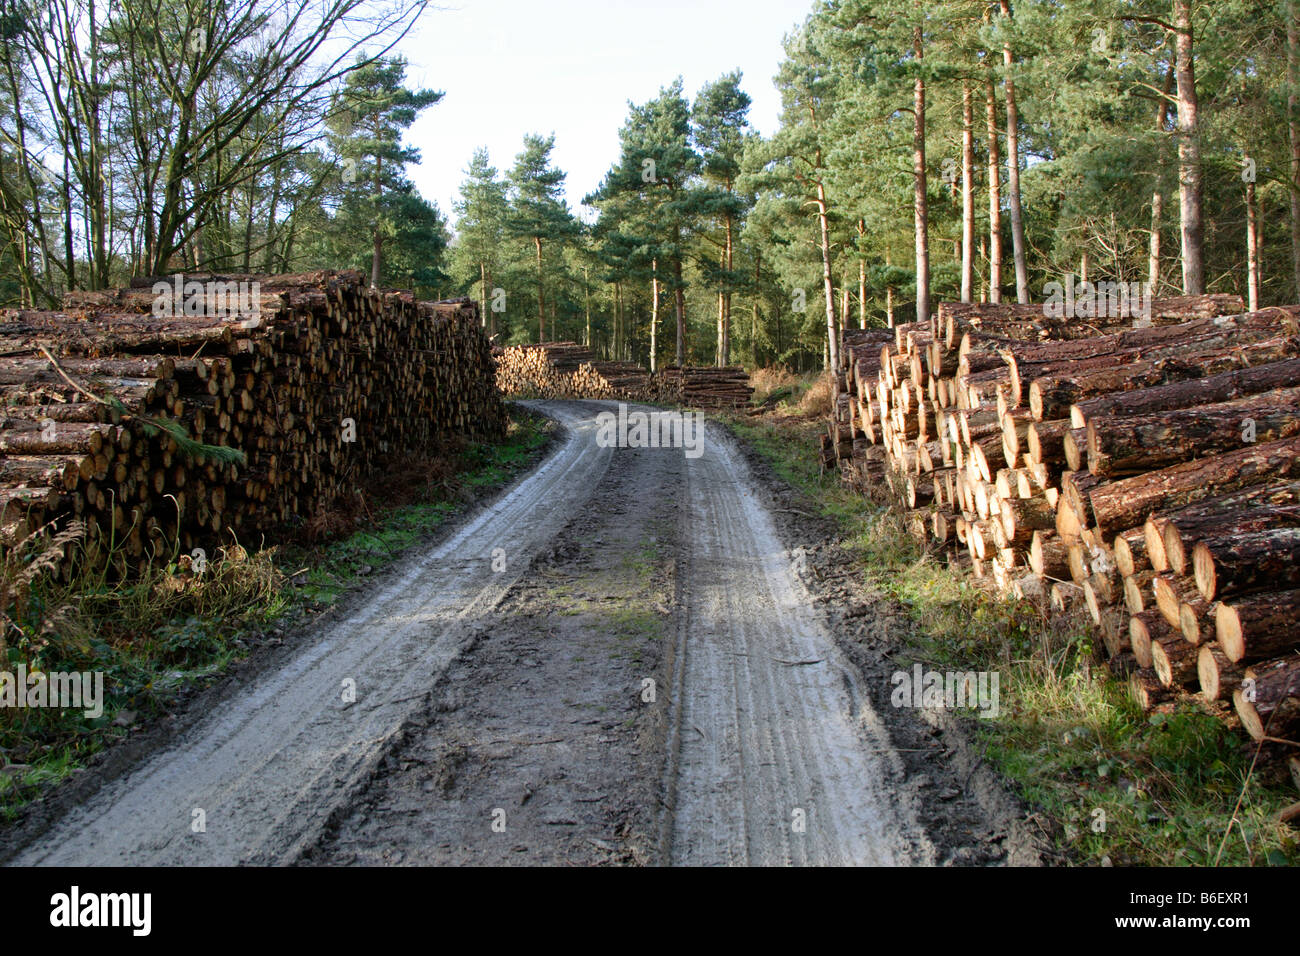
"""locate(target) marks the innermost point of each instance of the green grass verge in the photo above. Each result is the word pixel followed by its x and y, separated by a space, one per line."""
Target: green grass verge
pixel 171 630
pixel 1128 788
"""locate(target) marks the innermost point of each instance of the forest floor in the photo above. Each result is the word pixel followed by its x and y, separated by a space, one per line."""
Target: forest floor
pixel 628 656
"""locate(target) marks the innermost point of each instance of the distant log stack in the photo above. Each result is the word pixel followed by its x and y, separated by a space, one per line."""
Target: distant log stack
pixel 569 370
pixel 701 386
pixel 1147 471
pixel 319 381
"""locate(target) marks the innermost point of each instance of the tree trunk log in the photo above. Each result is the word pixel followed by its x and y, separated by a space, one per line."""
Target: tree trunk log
pixel 1217 674
pixel 1242 562
pixel 1118 446
pixel 1116 506
pixel 1258 627
pixel 1268 704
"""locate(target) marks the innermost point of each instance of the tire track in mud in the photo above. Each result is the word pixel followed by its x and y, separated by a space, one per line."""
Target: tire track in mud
pixel 517 691
pixel 762 715
pixel 540 747
pixel 269 765
pixel 781 759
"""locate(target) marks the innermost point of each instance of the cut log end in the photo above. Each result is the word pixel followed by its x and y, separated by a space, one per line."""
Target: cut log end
pixel 1227 629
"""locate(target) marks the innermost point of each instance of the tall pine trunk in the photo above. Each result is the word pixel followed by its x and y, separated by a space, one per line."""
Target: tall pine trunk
pixel 832 346
pixel 717 351
pixel 967 193
pixel 100 225
pixel 1013 171
pixel 726 293
pixel 618 322
pixel 654 313
pixel 268 257
pixel 995 196
pixel 69 252
pixel 920 210
pixel 1252 248
pixel 844 304
pixel 1153 250
pixel 541 293
pixel 862 280
pixel 679 308
pixel 1189 152
pixel 1158 194
pixel 889 294
pixel 377 250
pixel 1293 133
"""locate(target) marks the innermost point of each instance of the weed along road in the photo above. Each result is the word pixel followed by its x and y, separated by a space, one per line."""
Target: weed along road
pixel 616 660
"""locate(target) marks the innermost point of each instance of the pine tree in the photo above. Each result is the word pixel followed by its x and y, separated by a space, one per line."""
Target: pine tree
pixel 366 131
pixel 796 162
pixel 655 178
pixel 538 213
pixel 720 118
pixel 481 215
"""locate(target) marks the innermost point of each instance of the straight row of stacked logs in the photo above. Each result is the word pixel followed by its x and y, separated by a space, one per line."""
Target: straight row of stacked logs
pixel 321 383
pixel 1147 470
pixel 569 370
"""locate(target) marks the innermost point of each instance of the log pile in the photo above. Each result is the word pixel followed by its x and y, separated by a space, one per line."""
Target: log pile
pixel 318 381
pixel 569 370
pixel 1146 471
pixel 708 387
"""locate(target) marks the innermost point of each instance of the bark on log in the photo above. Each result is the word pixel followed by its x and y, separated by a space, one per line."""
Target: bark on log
pixel 1137 587
pixel 1258 627
pixel 1055 388
pixel 1120 446
pixel 1131 552
pixel 1146 690
pixel 1274 506
pixel 1268 705
pixel 1174 660
pixel 1116 506
pixel 1224 387
pixel 1145 627
pixel 1242 562
pixel 1218 676
pixel 1048 557
pixel 1170 592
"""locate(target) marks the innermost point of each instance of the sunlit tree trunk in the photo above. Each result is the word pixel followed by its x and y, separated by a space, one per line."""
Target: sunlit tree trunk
pixel 1189 152
pixel 995 196
pixel 967 193
pixel 1013 172
pixel 919 202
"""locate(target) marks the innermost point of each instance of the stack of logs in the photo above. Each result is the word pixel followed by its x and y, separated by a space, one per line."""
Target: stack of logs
pixel 1148 471
pixel 708 387
pixel 319 381
pixel 569 370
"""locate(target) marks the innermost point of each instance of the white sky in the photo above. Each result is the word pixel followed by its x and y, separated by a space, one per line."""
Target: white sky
pixel 510 67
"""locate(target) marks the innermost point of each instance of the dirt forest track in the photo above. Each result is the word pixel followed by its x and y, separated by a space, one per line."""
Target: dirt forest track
pixel 771 720
pixel 765 749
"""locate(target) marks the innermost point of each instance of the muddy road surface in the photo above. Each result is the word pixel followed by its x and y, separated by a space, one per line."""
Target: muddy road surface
pixel 618 660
